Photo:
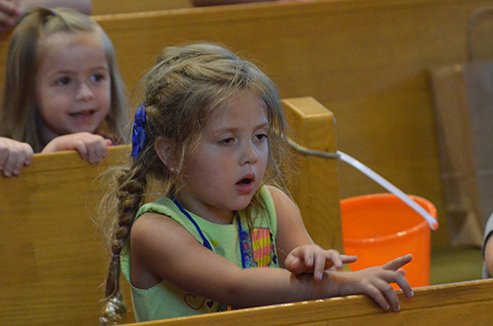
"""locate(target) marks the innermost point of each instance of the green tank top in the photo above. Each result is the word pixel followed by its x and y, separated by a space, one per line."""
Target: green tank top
pixel 166 300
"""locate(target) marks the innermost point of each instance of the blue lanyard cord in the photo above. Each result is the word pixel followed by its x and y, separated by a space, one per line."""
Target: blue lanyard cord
pixel 240 233
pixel 206 243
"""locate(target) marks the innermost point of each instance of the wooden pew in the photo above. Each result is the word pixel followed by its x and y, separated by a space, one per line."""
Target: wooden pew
pixel 109 7
pixel 365 60
pixel 467 303
pixel 52 261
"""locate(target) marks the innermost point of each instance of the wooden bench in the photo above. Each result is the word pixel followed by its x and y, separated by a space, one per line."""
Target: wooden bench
pixel 365 60
pixel 456 304
pixel 52 261
pixel 111 7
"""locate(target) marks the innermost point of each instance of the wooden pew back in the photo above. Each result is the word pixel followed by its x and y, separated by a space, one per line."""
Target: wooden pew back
pixel 112 7
pixel 53 262
pixel 367 61
pixel 457 304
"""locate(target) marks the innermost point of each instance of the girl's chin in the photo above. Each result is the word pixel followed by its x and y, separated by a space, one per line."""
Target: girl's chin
pixel 88 129
pixel 243 204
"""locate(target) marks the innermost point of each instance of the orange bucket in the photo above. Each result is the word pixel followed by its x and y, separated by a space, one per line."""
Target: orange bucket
pixel 381 227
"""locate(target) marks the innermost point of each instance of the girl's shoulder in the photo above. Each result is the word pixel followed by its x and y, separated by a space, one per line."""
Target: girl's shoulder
pixel 161 209
pixel 283 204
pixel 279 197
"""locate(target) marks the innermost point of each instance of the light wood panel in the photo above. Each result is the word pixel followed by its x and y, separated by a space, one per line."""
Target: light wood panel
pixel 111 7
pixel 316 190
pixel 52 261
pixel 456 304
pixel 367 61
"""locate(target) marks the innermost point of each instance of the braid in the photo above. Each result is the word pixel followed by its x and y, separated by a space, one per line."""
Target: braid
pixel 130 195
pixel 180 93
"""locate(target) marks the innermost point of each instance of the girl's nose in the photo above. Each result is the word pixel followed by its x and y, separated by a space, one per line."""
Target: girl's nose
pixel 249 155
pixel 84 92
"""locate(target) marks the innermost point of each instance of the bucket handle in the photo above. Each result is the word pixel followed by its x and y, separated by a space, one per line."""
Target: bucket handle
pixel 372 175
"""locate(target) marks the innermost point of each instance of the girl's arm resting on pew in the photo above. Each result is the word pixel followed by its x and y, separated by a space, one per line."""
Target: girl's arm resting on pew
pixel 163 249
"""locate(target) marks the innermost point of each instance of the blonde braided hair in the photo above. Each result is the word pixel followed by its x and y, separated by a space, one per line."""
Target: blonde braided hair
pixel 180 92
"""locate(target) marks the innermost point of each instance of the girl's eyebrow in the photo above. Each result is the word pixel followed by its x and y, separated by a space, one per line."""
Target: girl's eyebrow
pixel 69 71
pixel 104 67
pixel 263 125
pixel 232 129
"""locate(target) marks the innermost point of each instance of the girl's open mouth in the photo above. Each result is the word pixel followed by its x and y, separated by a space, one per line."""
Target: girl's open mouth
pixel 245 186
pixel 245 181
pixel 82 114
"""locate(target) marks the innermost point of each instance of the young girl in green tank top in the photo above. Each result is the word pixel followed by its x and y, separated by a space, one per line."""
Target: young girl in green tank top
pixel 211 133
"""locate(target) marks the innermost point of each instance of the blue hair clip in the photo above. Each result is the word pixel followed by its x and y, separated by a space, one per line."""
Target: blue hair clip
pixel 138 132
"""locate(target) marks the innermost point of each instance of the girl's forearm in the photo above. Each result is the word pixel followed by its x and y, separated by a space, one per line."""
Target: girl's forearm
pixel 265 286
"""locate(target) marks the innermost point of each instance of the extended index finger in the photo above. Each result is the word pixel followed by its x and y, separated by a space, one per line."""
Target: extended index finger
pixel 398 262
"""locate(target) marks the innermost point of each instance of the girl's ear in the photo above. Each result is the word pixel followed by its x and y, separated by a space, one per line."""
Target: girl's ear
pixel 162 146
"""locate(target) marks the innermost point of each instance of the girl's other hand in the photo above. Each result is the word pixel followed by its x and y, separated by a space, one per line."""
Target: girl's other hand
pixel 91 147
pixel 13 156
pixel 313 259
pixel 375 283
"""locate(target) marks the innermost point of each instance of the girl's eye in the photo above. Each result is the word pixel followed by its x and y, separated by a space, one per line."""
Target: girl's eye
pixel 63 81
pixel 261 137
pixel 98 77
pixel 226 141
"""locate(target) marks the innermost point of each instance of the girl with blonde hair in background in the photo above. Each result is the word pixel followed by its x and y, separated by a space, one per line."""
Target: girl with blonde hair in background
pixel 63 90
